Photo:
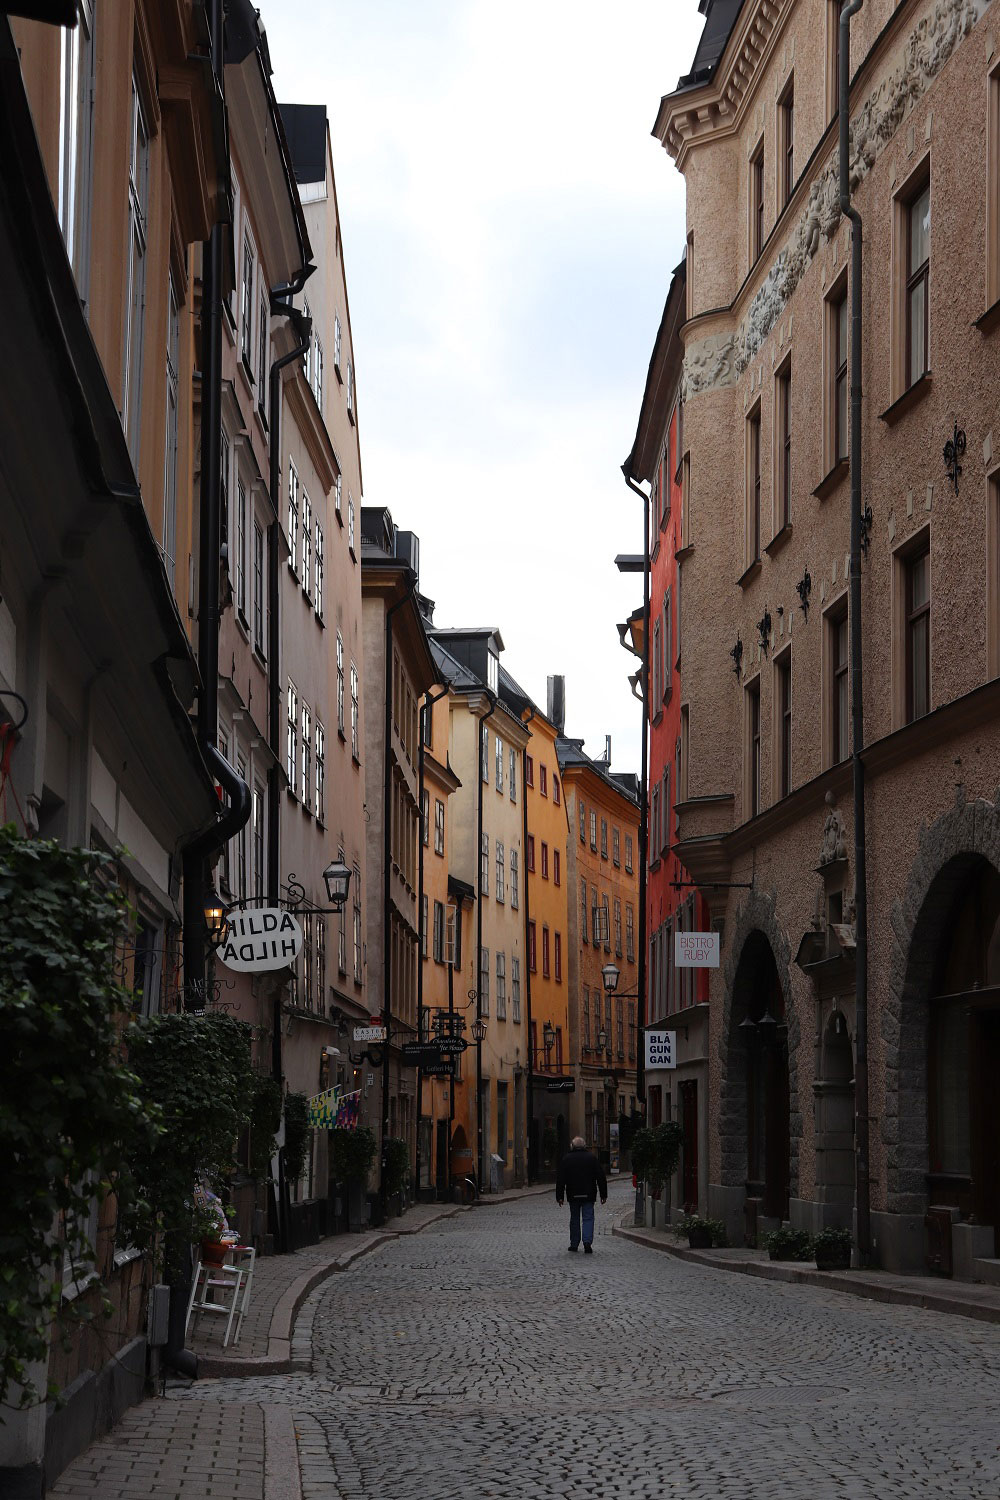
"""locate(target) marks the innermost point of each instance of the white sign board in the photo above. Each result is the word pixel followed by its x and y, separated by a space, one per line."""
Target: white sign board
pixel 369 1033
pixel 661 1049
pixel 259 939
pixel 696 950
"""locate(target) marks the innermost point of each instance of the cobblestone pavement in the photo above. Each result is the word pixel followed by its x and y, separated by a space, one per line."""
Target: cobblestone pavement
pixel 479 1361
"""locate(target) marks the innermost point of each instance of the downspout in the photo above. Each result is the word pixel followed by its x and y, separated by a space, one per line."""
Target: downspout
pixel 303 327
pixel 386 878
pixel 640 1051
pixel 429 701
pixel 861 1104
pixel 479 937
pixel 527 966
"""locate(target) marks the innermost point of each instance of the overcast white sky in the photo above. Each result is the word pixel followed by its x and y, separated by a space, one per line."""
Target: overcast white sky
pixel 509 230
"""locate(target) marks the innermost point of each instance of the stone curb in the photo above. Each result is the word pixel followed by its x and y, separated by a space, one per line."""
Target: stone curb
pixel 282 1478
pixel 278 1359
pixel 851 1283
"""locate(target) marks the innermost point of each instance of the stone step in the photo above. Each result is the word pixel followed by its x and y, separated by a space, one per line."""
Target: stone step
pixel 987 1270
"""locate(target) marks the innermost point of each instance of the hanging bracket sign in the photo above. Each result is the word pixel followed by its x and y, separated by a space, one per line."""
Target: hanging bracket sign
pixel 263 938
pixel 661 1049
pixel 696 950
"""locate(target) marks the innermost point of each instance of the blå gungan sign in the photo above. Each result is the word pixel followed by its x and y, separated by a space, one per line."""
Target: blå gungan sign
pixel 661 1049
pixel 261 939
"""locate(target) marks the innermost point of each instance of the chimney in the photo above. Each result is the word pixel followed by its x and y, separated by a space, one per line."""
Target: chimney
pixel 607 750
pixel 555 710
pixel 407 549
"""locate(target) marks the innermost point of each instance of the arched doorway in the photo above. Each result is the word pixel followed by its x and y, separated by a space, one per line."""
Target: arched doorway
pixel 758 1078
pixel 834 1090
pixel 963 1054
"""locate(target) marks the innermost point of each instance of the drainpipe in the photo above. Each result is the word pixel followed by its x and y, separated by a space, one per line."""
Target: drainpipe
pixel 428 703
pixel 527 967
pixel 861 1125
pixel 640 1051
pixel 479 936
pixel 386 877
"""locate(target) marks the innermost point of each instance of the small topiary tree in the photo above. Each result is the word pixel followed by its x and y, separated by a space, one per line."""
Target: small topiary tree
pixel 656 1151
pixel 352 1154
pixel 397 1164
pixel 296 1135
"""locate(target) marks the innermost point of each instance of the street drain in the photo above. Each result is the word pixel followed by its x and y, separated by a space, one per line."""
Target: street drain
pixel 778 1395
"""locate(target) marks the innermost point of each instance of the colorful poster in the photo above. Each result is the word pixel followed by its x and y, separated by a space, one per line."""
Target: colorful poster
pixel 334 1110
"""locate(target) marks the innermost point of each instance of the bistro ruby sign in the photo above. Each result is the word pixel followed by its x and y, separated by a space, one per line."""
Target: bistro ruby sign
pixel 265 938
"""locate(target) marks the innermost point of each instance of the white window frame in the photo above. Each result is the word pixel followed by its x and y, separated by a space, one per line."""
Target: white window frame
pixel 135 279
pixel 292 737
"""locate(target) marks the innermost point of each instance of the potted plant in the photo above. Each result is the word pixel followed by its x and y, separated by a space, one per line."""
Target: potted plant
pixel 788 1244
pixel 352 1153
pixel 832 1248
pixel 702 1234
pixel 655 1153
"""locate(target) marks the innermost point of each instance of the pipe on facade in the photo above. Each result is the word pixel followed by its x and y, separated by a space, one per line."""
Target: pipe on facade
pixel 411 587
pixel 479 936
pixel 640 1050
pixel 428 703
pixel 861 1101
pixel 527 967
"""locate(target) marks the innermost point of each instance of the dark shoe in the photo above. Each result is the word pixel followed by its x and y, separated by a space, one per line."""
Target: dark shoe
pixel 588 1249
pixel 572 1249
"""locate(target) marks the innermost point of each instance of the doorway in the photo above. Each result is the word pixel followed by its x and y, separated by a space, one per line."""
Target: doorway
pixel 758 1069
pixel 689 1125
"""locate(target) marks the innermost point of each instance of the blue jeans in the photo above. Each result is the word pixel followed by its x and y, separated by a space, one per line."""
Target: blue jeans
pixel 578 1207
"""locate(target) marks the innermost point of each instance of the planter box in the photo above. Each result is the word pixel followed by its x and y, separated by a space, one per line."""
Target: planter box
pixel 835 1260
pixel 700 1239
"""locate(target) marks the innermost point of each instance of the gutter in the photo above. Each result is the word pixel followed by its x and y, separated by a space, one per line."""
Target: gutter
pixel 479 935
pixel 429 701
pixel 532 1153
pixel 640 1050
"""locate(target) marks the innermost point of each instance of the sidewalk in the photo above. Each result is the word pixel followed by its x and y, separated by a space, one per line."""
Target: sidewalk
pixel 963 1299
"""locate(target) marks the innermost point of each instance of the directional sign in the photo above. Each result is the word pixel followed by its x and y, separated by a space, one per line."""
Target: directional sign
pixel 369 1033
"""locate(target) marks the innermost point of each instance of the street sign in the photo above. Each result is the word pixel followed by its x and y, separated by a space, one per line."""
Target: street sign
pixel 560 1085
pixel 661 1049
pixel 421 1052
pixel 696 950
pixel 259 939
pixel 369 1033
pixel 451 1044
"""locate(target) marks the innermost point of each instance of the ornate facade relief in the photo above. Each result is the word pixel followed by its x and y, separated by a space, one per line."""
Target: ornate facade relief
pixel 721 360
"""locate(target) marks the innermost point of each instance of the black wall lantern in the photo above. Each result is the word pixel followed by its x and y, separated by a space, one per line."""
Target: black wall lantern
pixel 764 631
pixel 737 654
pixel 954 448
pixel 804 588
pixel 337 879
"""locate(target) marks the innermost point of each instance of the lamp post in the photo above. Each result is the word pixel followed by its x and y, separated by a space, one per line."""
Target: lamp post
pixel 548 1041
pixel 610 975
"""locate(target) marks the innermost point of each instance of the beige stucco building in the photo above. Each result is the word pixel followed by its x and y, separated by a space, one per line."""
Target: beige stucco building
pixel 766 804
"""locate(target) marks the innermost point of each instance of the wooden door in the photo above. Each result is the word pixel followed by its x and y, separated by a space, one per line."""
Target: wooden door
pixel 689 1124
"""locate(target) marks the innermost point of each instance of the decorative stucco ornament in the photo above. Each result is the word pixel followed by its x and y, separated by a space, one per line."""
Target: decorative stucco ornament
pixel 833 847
pixel 722 358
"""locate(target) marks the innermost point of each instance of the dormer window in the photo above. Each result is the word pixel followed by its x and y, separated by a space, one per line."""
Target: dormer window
pixel 492 671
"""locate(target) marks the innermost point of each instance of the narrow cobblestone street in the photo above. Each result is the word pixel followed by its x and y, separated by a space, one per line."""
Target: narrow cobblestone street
pixel 494 1366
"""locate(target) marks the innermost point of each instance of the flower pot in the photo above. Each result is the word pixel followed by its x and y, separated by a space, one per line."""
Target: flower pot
pixel 833 1260
pixel 213 1252
pixel 700 1239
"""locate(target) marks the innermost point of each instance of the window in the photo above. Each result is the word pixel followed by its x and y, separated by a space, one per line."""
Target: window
pixel 293 517
pixel 783 721
pixel 757 202
pixel 531 854
pixel 593 829
pixel 557 956
pixel 484 865
pixel 545 860
pixel 543 781
pixel 500 874
pixel 338 498
pixel 262 381
pixel 629 933
pixel 342 932
pixel 840 714
pixel 545 952
pixel 753 748
pixel 993 576
pixel 76 119
pixel 515 989
pixel 753 488
pixel 484 982
pixel 337 342
pixel 135 283
pixel 320 808
pixel 340 684
pixel 532 964
pixel 583 911
pixel 484 754
pixel 529 774
pixel 501 986
pixel 292 739
pixel 918 632
pixel 355 715
pixel 318 374
pixel 918 264
pixel 556 867
pixel 606 923
pixel 425 817
pixel 514 893
pixel 993 191
pixel 833 7
pixel 318 572
pixel 350 522
pixel 242 884
pixel 257 839
pixel 513 775
pixel 618 927
pixel 438 948
pixel 170 453
pixel 246 304
pixel 438 826
pixel 620 1030
pixel 499 763
pixel 668 644
pixel 259 584
pixel 306 756
pixel 423 926
pixel 350 390
pixel 616 847
pixel 596 917
pixel 357 925
pixel 838 378
pixel 783 446
pixel 583 822
pixel 654 825
pixel 628 854
pixel 786 143
pixel 306 545
pixel 604 838
pixel 585 1018
pixel 657 670
pixel 631 1031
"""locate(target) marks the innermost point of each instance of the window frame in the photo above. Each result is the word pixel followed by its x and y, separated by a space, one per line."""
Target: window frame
pixel 783 445
pixel 754 470
pixel 783 724
pixel 755 201
pixel 785 143
pixel 752 787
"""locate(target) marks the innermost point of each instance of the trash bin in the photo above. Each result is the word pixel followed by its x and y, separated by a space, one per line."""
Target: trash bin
pixel 496 1173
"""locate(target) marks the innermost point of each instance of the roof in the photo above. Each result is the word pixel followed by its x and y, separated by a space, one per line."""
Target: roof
pixel 721 17
pixel 305 132
pixel 458 677
pixel 571 755
pixel 662 380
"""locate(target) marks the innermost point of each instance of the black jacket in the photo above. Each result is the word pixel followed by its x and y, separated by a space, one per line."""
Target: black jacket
pixel 580 1175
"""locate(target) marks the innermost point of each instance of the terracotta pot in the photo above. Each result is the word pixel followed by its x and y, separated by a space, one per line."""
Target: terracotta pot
pixel 213 1252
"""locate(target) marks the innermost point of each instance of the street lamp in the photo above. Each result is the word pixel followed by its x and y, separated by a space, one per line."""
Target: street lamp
pixel 216 921
pixel 610 974
pixel 337 878
pixel 548 1038
pixel 478 1029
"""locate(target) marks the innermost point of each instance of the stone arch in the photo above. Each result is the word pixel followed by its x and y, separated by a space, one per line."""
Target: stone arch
pixel 756 914
pixel 950 851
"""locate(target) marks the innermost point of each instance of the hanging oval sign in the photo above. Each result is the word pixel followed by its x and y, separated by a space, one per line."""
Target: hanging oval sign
pixel 264 937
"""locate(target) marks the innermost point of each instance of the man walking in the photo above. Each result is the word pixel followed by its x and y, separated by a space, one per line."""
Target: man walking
pixel 579 1178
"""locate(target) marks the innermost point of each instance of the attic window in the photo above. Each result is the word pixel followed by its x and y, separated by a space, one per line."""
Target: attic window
pixel 492 671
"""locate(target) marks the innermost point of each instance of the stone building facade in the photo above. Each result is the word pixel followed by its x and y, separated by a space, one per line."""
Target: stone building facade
pixel 766 825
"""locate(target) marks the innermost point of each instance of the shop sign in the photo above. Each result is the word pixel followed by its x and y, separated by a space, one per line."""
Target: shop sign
pixel 263 938
pixel 696 950
pixel 661 1049
pixel 443 1068
pixel 421 1053
pixel 450 1044
pixel 560 1085
pixel 369 1033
